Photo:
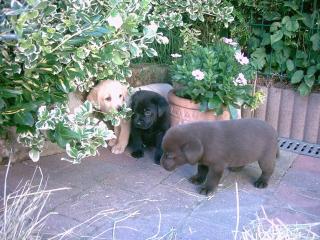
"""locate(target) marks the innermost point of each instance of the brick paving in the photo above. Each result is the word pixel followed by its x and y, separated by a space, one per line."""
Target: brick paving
pixel 119 197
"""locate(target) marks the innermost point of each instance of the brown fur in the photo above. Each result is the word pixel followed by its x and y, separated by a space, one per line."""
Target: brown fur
pixel 111 95
pixel 220 144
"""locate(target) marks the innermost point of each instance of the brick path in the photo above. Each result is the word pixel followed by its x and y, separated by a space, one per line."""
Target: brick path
pixel 136 199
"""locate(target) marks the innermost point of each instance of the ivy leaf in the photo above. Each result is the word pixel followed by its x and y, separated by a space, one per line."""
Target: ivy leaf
pixel 290 24
pixel 275 26
pixel 151 52
pixel 116 58
pixel 2 103
pixel 277 36
pixel 8 93
pixel 315 39
pixel 309 80
pixel 233 112
pixel 266 39
pixel 290 65
pixel 214 103
pixel 34 155
pixel 203 106
pixel 24 118
pixel 303 89
pixel 297 77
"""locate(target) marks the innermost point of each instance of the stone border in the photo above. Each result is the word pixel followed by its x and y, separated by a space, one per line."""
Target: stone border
pixel 292 115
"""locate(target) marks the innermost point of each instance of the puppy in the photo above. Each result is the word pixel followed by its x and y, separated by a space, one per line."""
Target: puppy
pixel 110 95
pixel 218 144
pixel 150 121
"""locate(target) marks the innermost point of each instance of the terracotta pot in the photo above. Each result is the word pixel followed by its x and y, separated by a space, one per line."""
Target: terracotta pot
pixel 184 110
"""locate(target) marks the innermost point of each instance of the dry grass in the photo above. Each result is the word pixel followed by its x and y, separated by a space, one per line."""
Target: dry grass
pixel 264 228
pixel 21 216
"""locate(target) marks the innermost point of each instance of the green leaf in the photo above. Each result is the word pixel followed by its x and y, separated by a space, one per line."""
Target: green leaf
pixel 290 24
pixel 277 36
pixel 233 112
pixel 266 40
pixel 275 26
pixel 315 39
pixel 304 90
pixel 23 118
pixel 9 93
pixel 307 20
pixel 34 155
pixel 116 58
pixel 309 80
pixel 290 65
pixel 2 103
pixel 203 106
pixel 311 70
pixel 214 103
pixel 151 52
pixel 297 77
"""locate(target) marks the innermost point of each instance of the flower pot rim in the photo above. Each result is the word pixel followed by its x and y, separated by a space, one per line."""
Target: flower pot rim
pixel 184 102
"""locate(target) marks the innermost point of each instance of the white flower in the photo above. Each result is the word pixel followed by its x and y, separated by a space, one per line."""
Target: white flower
pixel 241 58
pixel 163 40
pixel 240 80
pixel 175 55
pixel 229 41
pixel 115 21
pixel 199 75
pixel 153 26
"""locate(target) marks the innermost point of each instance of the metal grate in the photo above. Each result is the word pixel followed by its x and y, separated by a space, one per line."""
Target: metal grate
pixel 299 147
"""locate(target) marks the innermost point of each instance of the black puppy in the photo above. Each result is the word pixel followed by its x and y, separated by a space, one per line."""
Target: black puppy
pixel 149 123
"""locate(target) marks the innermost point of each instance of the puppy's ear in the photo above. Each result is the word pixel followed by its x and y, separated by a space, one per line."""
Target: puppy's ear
pixel 124 91
pixel 93 96
pixel 162 106
pixel 193 151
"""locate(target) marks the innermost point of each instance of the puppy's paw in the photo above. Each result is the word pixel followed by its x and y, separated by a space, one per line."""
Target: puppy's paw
pixel 206 190
pixel 197 180
pixel 157 157
pixel 260 183
pixel 118 149
pixel 112 142
pixel 137 154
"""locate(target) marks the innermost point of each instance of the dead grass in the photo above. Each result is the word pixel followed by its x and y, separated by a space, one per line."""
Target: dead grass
pixel 21 216
pixel 264 228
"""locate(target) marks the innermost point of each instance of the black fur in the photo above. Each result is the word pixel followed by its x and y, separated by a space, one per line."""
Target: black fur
pixel 150 121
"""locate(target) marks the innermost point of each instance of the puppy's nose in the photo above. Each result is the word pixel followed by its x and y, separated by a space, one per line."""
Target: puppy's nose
pixel 139 122
pixel 119 108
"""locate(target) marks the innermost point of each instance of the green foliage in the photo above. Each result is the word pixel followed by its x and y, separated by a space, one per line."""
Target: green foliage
pixel 289 42
pixel 49 49
pixel 216 76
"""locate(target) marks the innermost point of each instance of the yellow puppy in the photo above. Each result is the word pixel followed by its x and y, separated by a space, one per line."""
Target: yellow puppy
pixel 111 95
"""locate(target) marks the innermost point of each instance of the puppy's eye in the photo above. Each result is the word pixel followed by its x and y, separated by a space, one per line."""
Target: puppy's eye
pixel 120 96
pixel 108 99
pixel 147 112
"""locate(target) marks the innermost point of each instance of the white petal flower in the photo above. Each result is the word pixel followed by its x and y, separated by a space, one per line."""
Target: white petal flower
pixel 163 40
pixel 229 41
pixel 176 55
pixel 153 26
pixel 115 21
pixel 198 74
pixel 241 58
pixel 240 80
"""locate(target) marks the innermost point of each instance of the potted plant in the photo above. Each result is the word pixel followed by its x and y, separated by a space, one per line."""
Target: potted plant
pixel 211 82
